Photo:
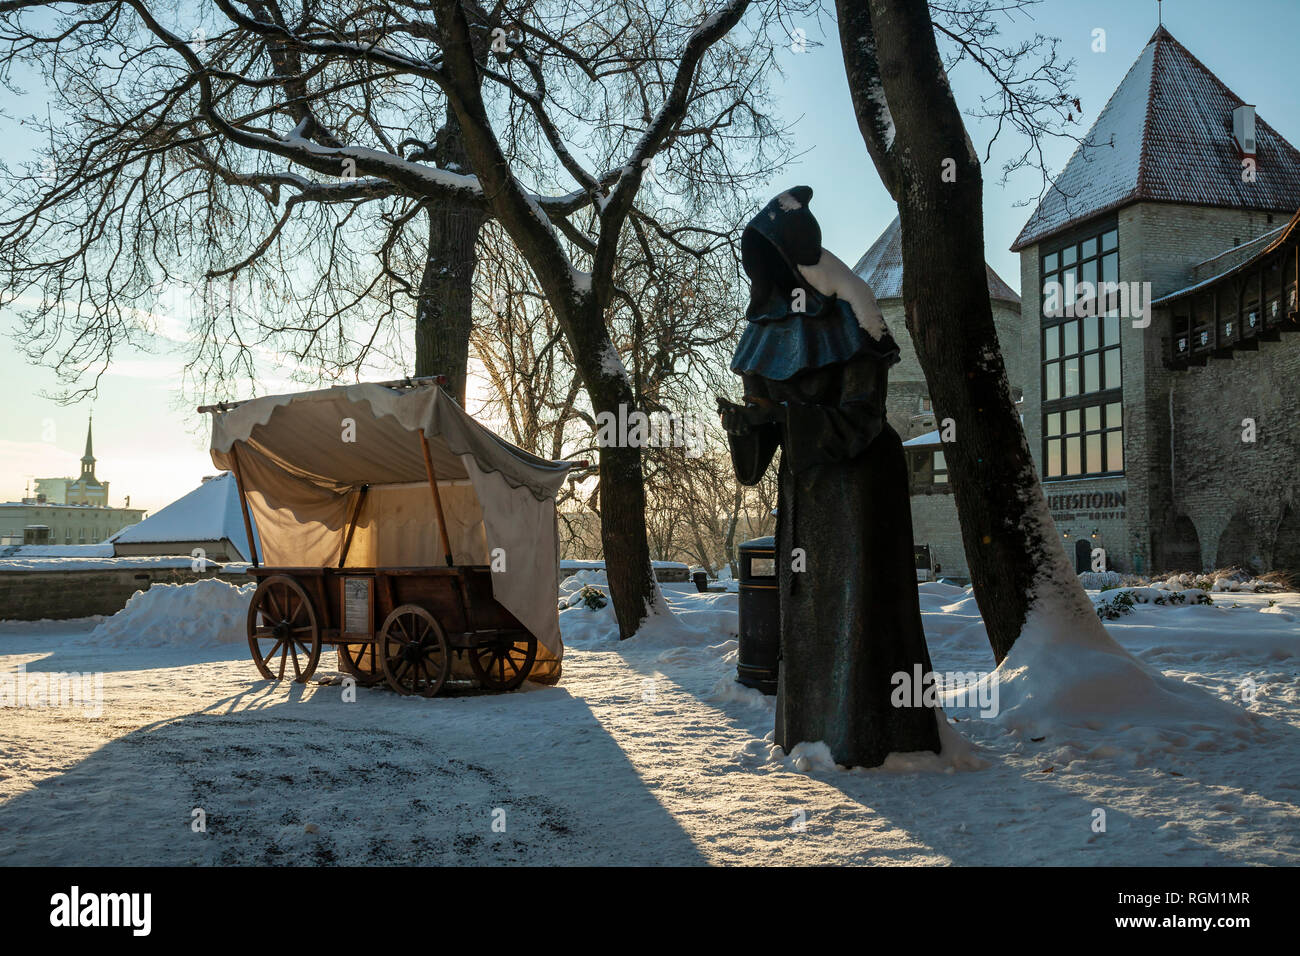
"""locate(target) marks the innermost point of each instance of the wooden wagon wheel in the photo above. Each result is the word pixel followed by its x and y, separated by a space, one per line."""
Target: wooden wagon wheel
pixel 503 662
pixel 413 651
pixel 361 661
pixel 282 629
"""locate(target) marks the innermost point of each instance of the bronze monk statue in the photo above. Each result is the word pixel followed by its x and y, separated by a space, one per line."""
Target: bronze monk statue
pixel 814 359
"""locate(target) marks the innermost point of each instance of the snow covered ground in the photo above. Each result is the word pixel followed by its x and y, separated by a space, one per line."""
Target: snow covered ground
pixel 648 752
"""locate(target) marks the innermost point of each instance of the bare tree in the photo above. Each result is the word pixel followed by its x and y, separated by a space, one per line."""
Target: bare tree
pixel 914 132
pixel 675 317
pixel 673 103
pixel 324 243
pixel 604 88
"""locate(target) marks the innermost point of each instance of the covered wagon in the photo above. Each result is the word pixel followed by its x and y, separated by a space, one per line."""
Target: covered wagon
pixel 398 529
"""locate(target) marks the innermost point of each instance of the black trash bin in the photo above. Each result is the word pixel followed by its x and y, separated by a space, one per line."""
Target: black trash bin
pixel 758 656
pixel 701 579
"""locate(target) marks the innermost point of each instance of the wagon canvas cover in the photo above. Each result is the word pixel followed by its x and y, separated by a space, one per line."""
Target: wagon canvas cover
pixel 302 474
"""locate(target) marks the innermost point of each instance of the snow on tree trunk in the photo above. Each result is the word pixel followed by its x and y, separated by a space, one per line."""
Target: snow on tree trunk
pixel 623 533
pixel 932 170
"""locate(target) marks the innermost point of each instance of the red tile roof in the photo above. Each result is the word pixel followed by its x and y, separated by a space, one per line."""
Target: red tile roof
pixel 1165 135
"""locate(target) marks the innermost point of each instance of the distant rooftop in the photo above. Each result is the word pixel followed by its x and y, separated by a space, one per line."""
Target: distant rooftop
pixel 33 503
pixel 882 268
pixel 1166 136
pixel 210 512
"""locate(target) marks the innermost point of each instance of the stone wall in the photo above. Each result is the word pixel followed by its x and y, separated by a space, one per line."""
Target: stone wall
pixel 59 595
pixel 934 516
pixel 907 384
pixel 1171 240
pixel 934 522
pixel 1239 494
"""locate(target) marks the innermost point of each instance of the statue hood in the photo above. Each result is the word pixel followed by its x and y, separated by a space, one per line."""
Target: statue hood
pixel 783 236
pixel 779 341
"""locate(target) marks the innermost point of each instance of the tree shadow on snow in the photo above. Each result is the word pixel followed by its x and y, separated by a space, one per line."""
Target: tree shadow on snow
pixel 1175 809
pixel 292 774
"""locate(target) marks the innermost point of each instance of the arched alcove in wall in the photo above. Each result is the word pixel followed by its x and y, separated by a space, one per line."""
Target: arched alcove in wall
pixel 1237 546
pixel 1082 555
pixel 1179 547
pixel 1286 546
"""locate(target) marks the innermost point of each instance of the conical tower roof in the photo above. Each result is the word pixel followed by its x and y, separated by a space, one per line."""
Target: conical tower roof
pixel 882 268
pixel 1166 136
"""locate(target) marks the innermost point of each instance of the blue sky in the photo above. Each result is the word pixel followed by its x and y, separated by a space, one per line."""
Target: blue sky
pixel 153 449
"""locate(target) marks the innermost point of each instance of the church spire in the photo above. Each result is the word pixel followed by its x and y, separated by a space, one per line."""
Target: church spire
pixel 88 459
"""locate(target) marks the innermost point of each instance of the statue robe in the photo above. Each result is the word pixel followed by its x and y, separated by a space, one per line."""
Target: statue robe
pixel 851 620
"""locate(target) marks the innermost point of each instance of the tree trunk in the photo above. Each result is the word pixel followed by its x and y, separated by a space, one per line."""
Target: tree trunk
pixel 729 544
pixel 444 317
pixel 1007 532
pixel 623 534
pixel 622 492
pixel 445 312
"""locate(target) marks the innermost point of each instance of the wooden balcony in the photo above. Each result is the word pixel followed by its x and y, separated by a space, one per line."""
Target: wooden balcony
pixel 1252 303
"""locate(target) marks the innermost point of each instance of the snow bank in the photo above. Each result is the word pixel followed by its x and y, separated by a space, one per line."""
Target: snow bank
pixel 942 589
pixel 1079 692
pixel 685 618
pixel 202 614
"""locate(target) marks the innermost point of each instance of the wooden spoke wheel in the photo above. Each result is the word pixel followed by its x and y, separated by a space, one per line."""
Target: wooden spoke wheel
pixel 282 630
pixel 361 661
pixel 413 651
pixel 503 662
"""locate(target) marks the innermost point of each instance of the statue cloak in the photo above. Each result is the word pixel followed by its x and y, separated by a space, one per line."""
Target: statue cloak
pixel 851 619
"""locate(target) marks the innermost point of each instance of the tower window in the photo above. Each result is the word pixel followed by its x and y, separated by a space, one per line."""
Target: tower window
pixel 1082 375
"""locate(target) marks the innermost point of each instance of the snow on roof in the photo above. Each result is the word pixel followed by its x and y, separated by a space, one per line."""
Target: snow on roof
pixel 143 562
pixel 920 441
pixel 596 563
pixel 932 438
pixel 1165 135
pixel 210 512
pixel 882 268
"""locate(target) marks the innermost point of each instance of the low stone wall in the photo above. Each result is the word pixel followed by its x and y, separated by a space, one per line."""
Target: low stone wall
pixel 665 575
pixel 31 595
pixel 58 595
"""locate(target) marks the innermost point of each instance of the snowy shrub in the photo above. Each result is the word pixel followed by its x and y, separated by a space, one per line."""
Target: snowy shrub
pixel 1186 596
pixel 1100 580
pixel 1116 607
pixel 1224 579
pixel 592 598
